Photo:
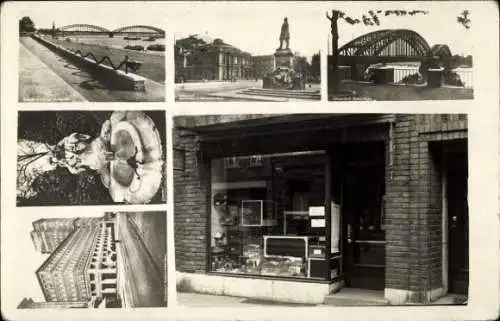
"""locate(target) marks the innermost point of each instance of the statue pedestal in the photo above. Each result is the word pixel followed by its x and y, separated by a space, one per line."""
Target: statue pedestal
pixel 283 58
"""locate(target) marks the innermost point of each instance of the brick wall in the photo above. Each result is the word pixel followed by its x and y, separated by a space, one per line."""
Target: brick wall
pixel 413 203
pixel 397 208
pixel 190 214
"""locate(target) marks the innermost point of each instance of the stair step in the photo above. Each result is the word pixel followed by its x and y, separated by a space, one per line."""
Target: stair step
pixel 303 94
pixel 356 297
pixel 286 90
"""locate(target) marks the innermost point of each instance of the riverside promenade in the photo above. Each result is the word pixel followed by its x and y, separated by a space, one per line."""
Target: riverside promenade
pixel 37 60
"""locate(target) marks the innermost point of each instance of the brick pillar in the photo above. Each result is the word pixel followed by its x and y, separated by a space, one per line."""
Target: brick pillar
pixel 429 217
pixel 413 218
pixel 397 214
pixel 435 77
pixel 190 215
pixel 383 75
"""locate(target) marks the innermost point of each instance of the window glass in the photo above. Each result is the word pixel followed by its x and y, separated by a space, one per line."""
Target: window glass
pixel 268 216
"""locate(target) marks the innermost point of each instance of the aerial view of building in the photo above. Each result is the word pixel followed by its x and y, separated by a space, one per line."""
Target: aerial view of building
pixel 117 260
pixel 47 234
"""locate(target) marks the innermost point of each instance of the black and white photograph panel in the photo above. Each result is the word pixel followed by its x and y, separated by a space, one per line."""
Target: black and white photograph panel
pixel 98 260
pixel 421 53
pixel 321 209
pixel 91 157
pixel 76 52
pixel 247 52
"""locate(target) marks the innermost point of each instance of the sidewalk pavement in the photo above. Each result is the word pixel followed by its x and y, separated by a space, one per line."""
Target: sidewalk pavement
pixel 225 90
pixel 37 82
pixel 208 300
pixel 212 86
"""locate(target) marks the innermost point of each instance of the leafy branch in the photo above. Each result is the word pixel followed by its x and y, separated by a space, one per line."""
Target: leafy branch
pixel 464 19
pixel 372 18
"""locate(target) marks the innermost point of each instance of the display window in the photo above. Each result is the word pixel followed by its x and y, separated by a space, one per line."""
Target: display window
pixel 268 216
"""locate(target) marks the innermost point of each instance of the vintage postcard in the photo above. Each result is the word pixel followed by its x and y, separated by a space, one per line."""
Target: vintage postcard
pixel 250 160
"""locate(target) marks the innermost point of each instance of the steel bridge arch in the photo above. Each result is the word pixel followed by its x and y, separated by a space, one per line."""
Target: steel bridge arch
pixel 75 26
pixel 408 43
pixel 149 28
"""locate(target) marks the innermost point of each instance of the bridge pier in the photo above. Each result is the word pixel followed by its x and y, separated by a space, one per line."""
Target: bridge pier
pixel 435 77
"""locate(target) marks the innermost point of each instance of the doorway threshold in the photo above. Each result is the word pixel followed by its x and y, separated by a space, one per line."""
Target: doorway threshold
pixel 452 299
pixel 356 297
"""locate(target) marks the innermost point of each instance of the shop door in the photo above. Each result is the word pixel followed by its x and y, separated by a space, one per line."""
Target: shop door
pixel 458 223
pixel 364 236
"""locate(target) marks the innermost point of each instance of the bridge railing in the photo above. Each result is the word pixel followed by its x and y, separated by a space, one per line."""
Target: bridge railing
pixel 401 72
pixel 465 76
pixel 404 71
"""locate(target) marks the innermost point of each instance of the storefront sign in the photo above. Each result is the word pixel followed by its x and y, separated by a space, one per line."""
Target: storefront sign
pixel 318 222
pixel 316 211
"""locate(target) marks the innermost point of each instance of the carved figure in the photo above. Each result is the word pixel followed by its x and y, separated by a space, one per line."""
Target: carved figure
pixel 285 35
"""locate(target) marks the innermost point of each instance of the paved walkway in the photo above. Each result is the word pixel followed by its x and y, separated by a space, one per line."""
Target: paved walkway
pixel 84 83
pixel 224 91
pixel 37 82
pixel 208 300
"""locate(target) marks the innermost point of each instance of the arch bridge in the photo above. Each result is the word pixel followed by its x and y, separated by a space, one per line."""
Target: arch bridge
pixel 386 46
pixel 93 29
pixel 82 29
pixel 140 29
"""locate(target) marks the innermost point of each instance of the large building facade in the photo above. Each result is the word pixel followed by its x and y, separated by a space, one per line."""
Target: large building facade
pixel 298 207
pixel 83 267
pixel 196 59
pixel 263 65
pixel 48 233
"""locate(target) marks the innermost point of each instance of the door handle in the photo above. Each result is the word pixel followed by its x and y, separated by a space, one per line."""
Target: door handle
pixel 349 231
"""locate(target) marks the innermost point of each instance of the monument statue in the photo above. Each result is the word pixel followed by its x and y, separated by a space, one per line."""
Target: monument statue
pixel 284 35
pixel 127 155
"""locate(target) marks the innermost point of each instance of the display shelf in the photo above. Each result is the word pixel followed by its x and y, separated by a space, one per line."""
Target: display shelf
pixel 254 213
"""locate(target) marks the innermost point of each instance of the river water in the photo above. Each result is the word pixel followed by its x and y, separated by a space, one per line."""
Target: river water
pixel 117 41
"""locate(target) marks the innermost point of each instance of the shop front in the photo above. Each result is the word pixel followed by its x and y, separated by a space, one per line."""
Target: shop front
pixel 295 212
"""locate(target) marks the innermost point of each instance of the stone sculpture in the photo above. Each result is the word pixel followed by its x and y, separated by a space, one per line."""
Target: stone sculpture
pixel 284 35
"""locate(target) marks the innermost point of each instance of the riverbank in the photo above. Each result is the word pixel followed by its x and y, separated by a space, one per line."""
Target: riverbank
pixel 153 65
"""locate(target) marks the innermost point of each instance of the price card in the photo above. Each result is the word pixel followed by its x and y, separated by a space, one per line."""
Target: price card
pixel 318 222
pixel 316 211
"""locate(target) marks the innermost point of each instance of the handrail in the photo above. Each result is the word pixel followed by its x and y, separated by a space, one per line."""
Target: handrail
pixel 127 63
pixel 103 59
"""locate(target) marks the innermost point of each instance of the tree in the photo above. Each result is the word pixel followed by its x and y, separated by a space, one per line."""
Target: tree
pixel 316 66
pixel 464 19
pixel 301 65
pixel 26 25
